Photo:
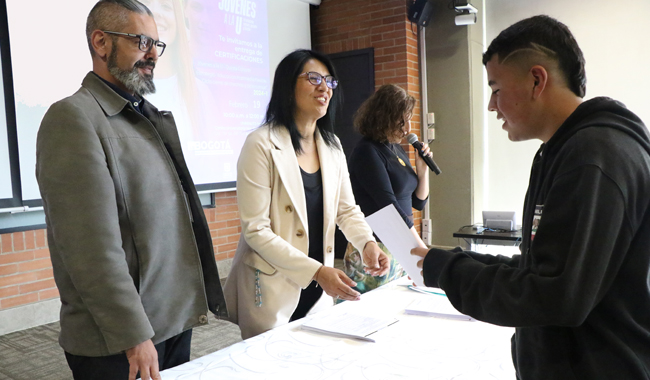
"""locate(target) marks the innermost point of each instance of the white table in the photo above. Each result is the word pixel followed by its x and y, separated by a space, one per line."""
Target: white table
pixel 416 347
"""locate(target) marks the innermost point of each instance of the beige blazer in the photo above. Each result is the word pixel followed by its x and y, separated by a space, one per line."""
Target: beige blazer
pixel 274 238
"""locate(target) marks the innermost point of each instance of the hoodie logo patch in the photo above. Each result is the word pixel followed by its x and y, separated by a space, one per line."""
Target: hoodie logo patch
pixel 536 218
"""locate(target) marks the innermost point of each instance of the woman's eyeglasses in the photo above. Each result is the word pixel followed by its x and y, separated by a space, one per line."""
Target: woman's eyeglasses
pixel 316 79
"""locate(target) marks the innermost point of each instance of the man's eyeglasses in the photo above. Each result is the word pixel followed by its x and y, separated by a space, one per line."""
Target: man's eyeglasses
pixel 146 43
pixel 316 79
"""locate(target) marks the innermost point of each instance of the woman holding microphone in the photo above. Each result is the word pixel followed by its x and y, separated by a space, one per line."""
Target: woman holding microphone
pixel 381 173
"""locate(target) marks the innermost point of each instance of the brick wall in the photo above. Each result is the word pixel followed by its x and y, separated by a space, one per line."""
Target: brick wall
pixel 224 225
pixel 339 26
pixel 25 269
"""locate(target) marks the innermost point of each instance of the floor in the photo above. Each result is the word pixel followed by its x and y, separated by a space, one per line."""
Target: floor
pixel 35 353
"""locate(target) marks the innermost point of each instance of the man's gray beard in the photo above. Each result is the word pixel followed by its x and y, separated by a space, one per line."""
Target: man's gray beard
pixel 135 82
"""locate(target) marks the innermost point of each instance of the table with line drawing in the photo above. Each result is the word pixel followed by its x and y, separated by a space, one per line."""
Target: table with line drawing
pixel 416 347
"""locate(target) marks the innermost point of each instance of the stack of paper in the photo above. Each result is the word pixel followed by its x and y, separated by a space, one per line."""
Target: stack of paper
pixel 348 325
pixel 435 306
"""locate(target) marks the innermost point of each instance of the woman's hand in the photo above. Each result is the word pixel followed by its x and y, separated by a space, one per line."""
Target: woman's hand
pixel 336 284
pixel 422 171
pixel 375 260
pixel 421 166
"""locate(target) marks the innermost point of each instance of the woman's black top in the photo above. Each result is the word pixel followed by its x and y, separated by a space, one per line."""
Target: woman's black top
pixel 381 174
pixel 313 184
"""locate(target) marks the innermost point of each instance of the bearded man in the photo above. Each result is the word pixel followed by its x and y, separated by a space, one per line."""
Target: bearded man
pixel 130 246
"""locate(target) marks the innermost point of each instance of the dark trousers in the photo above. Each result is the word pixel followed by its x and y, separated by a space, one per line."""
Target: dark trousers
pixel 172 352
pixel 308 298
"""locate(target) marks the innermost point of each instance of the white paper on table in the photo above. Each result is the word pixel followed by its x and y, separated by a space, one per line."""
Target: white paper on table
pixel 389 226
pixel 348 325
pixel 434 305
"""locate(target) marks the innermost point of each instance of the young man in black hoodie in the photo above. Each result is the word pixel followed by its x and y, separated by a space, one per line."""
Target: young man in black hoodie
pixel 578 294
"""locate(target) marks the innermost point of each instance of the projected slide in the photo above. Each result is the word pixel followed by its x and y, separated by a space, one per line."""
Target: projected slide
pixel 217 67
pixel 5 168
pixel 214 75
pixel 44 75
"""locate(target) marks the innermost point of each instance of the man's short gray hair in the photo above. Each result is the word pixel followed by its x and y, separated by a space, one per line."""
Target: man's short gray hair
pixel 112 15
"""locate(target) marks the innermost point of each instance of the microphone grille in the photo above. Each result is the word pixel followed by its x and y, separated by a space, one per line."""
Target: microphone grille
pixel 411 138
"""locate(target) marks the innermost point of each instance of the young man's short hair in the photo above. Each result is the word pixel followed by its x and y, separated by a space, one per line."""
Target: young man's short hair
pixel 542 38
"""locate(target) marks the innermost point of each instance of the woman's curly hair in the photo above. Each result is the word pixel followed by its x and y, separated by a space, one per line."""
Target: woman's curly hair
pixel 384 113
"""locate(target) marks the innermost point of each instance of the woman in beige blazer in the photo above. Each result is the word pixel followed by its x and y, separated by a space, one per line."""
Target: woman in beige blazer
pixel 293 187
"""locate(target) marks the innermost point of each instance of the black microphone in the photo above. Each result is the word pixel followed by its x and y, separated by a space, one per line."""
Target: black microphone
pixel 413 140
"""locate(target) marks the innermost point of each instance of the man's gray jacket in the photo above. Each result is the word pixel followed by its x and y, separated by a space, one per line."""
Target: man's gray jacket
pixel 130 246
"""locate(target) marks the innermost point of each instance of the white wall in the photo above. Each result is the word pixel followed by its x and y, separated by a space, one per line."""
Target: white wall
pixel 285 36
pixel 614 39
pixel 5 168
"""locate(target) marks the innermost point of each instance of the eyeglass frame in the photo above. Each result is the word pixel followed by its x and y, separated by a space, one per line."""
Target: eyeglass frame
pixel 319 78
pixel 157 43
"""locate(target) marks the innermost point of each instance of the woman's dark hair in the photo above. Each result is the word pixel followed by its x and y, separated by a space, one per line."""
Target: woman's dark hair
pixel 382 114
pixel 282 106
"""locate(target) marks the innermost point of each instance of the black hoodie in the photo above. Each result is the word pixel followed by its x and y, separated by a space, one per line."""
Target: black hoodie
pixel 579 293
